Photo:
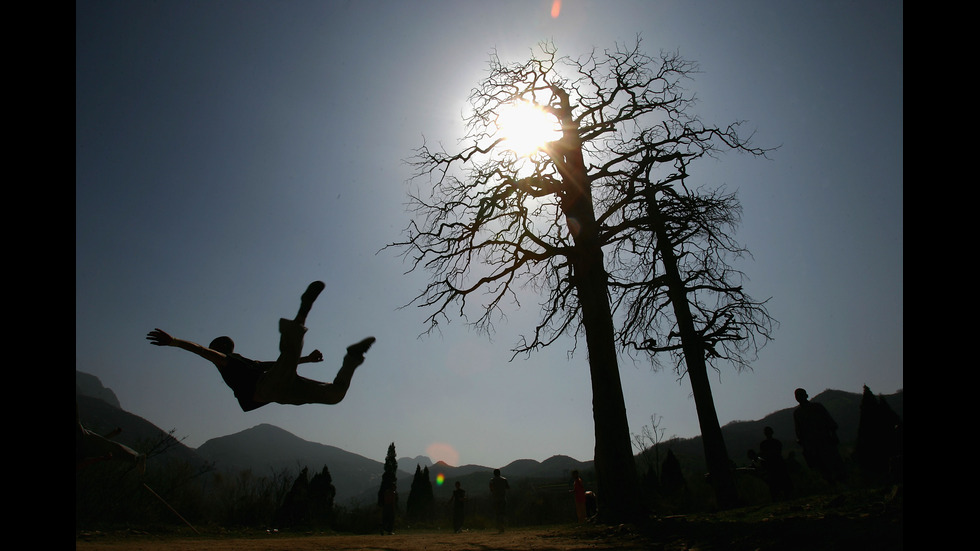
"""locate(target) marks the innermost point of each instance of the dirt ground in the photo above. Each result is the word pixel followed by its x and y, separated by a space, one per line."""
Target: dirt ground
pixel 866 522
pixel 520 539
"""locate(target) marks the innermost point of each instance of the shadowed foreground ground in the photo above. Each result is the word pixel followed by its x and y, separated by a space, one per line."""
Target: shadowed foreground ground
pixel 551 538
pixel 866 521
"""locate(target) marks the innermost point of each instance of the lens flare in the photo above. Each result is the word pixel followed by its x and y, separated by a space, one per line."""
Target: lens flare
pixel 440 478
pixel 555 9
pixel 439 451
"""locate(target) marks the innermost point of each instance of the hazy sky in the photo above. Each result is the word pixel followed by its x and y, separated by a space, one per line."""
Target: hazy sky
pixel 228 153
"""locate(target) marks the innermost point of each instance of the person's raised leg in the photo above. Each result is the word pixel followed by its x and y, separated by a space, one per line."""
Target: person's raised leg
pixel 306 301
pixel 307 391
pixel 277 384
pixel 354 358
pixel 291 332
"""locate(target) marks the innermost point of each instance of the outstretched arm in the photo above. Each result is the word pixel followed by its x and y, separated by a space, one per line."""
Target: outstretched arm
pixel 315 356
pixel 161 338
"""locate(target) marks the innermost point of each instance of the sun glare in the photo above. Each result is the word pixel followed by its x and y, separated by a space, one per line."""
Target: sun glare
pixel 526 127
pixel 440 451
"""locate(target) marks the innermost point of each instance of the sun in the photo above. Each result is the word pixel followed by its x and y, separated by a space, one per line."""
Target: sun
pixel 526 127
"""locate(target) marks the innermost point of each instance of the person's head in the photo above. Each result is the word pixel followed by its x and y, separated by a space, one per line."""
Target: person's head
pixel 457 484
pixel 767 431
pixel 800 395
pixel 496 472
pixel 574 475
pixel 223 344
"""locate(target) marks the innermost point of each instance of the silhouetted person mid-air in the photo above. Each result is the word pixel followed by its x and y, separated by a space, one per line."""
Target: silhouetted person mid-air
pixel 816 431
pixel 258 383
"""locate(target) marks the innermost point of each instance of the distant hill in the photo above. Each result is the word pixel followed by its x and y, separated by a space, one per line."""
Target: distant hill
pixel 475 478
pixel 101 417
pixel 90 385
pixel 421 460
pixel 266 449
pixel 741 436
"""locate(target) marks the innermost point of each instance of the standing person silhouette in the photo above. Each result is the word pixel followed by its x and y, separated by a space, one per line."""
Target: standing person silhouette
pixel 771 451
pixel 578 490
pixel 816 432
pixel 498 493
pixel 458 499
pixel 388 500
pixel 258 383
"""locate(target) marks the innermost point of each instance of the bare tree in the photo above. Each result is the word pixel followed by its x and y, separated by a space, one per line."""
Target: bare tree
pixel 647 443
pixel 495 221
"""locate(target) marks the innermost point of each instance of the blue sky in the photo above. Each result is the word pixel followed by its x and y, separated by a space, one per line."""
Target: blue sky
pixel 228 153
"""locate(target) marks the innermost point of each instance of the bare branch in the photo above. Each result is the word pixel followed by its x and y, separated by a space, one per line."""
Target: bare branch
pixel 494 224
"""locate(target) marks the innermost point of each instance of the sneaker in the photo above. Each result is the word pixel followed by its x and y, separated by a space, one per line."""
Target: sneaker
pixel 312 292
pixel 361 347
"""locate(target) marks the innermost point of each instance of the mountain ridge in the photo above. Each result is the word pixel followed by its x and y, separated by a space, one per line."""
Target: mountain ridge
pixel 268 449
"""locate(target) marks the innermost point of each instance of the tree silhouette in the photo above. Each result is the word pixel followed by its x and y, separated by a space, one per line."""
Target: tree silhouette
pixel 647 443
pixel 420 496
pixel 611 189
pixel 671 476
pixel 321 496
pixel 684 298
pixel 387 492
pixel 295 508
pixel 390 475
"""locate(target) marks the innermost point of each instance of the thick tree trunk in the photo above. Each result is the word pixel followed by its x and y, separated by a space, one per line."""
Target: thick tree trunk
pixel 618 489
pixel 720 472
pixel 615 467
